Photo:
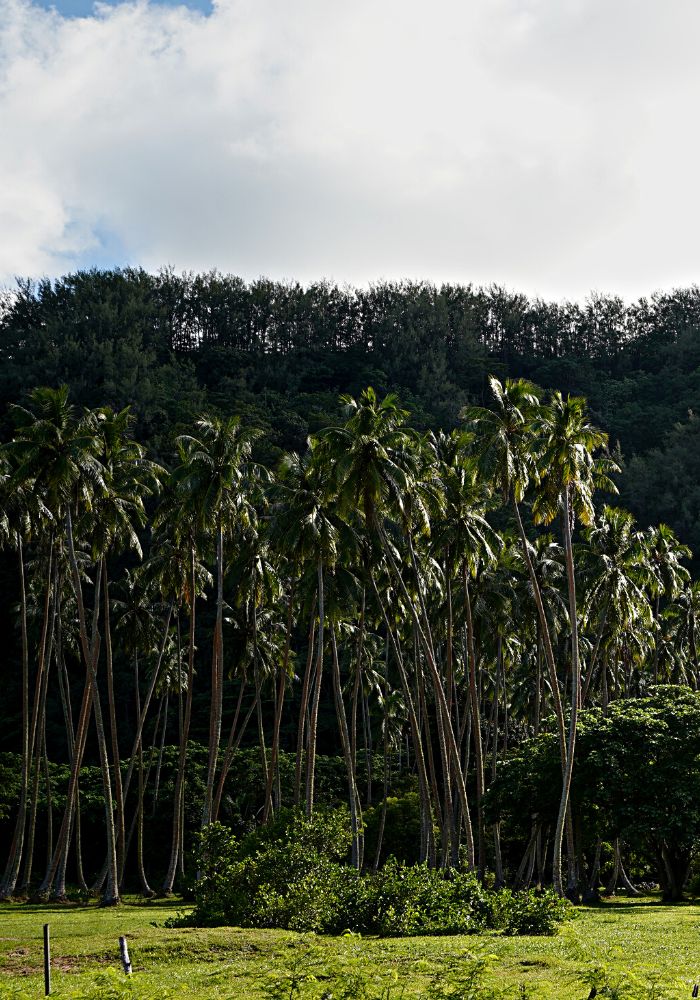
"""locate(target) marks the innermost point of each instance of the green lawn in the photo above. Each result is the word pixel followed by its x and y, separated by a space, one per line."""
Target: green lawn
pixel 659 944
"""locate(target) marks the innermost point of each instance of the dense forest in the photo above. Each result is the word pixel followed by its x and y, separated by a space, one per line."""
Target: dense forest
pixel 458 605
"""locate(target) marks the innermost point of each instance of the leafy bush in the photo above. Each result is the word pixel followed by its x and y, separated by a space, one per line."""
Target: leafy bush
pixel 280 875
pixel 290 874
pixel 528 912
pixel 415 899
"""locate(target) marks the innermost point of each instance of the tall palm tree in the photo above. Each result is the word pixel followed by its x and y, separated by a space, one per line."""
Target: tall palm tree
pixel 58 451
pixel 116 515
pixel 569 474
pixel 382 468
pixel 176 573
pixel 307 529
pixel 509 445
pixel 466 539
pixel 20 510
pixel 212 480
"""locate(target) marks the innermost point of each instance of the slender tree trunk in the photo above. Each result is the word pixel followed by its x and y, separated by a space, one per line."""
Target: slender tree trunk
pixel 147 703
pixel 177 838
pixel 281 688
pixel 546 636
pixel 114 736
pixel 38 750
pixel 573 721
pixel 304 707
pixel 217 672
pixel 494 760
pixel 145 887
pixel 476 724
pixel 451 743
pixel 657 603
pixel 353 797
pixel 161 748
pixel 29 728
pixel 313 722
pixel 427 840
pixel 114 733
pixel 424 722
pixel 232 746
pixel 385 754
pixel 70 810
pixel 111 892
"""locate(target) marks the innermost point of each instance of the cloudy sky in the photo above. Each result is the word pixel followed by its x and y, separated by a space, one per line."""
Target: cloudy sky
pixel 550 145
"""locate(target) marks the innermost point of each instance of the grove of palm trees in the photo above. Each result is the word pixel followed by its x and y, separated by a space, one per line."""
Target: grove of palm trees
pixel 450 648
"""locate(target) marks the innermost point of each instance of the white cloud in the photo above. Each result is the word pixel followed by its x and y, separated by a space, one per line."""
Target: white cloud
pixel 547 144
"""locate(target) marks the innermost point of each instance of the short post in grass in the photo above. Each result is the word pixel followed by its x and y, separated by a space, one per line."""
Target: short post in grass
pixel 47 960
pixel 124 951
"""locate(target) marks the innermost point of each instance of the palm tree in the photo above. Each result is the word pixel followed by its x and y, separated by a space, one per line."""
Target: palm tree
pixel 465 538
pixel 383 468
pixel 684 613
pixel 116 515
pixel 508 445
pixel 615 602
pixel 664 554
pixel 569 473
pixel 212 479
pixel 57 451
pixel 306 527
pixel 19 509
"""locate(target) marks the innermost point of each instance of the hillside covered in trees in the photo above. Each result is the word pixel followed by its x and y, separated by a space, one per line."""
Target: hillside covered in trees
pixel 410 602
pixel 171 346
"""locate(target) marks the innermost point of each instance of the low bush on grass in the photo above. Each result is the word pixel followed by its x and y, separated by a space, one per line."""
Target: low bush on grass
pixel 290 874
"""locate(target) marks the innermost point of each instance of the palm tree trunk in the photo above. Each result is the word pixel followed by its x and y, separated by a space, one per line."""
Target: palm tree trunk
pixel 281 688
pixel 353 797
pixel 11 874
pixel 427 841
pixel 217 670
pixel 114 737
pixel 138 737
pixel 234 741
pixel 177 837
pixel 176 841
pixel 313 721
pixel 385 783
pixel 573 721
pixel 476 725
pixel 546 635
pixel 304 707
pixel 111 892
pixel 424 722
pixel 161 748
pixel 38 744
pixel 451 747
pixel 145 887
pixel 63 839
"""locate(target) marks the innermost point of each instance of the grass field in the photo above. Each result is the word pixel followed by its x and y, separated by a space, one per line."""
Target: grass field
pixel 660 945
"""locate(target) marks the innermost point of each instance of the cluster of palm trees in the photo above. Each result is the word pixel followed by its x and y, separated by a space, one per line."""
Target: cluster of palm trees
pixel 406 578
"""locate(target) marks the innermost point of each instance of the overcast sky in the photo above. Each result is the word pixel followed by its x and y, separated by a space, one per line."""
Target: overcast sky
pixel 549 145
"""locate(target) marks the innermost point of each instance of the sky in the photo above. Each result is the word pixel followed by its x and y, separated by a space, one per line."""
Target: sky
pixel 547 145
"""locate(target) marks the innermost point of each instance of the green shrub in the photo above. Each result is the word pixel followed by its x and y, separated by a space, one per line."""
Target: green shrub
pixel 415 899
pixel 280 875
pixel 290 874
pixel 530 912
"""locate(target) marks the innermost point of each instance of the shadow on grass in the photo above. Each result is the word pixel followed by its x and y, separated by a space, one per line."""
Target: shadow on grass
pixel 637 903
